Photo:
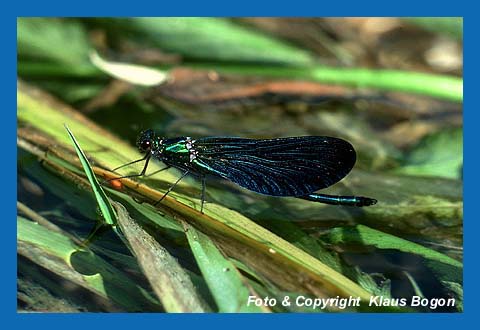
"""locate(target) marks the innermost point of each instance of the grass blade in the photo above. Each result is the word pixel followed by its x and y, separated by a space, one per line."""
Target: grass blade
pixel 224 280
pixel 61 255
pixel 380 240
pixel 106 208
pixel 168 279
pixel 444 267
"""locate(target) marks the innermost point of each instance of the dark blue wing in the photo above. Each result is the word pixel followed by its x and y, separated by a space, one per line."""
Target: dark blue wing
pixel 294 166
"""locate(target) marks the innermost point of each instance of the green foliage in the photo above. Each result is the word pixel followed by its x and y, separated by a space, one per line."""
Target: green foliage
pixel 61 255
pixel 445 268
pixel 364 235
pixel 214 44
pixel 53 40
pixel 451 26
pixel 227 285
pixel 439 154
pixel 170 257
pixel 217 39
pixel 441 86
pixel 106 208
pixel 167 277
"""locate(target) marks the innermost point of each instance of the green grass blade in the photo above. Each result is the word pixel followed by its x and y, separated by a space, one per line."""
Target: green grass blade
pixel 445 267
pixel 438 155
pixel 228 287
pixel 440 86
pixel 383 240
pixel 415 286
pixel 449 26
pixel 103 203
pixel 434 85
pixel 42 38
pixel 218 39
pixel 168 279
pixel 59 254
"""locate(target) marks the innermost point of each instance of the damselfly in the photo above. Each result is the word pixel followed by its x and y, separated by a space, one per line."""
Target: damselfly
pixel 283 167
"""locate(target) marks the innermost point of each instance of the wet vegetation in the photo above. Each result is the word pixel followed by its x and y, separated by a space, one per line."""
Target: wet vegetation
pixel 391 87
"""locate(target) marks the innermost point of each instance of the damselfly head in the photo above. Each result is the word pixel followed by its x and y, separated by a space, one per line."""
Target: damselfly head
pixel 146 140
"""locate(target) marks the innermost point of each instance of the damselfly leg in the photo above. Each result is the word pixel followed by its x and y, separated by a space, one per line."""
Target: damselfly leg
pixel 147 156
pixel 142 173
pixel 203 194
pixel 171 187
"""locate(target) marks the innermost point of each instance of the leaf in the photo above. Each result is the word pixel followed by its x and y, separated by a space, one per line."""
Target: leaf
pixel 228 287
pixel 55 40
pixel 71 91
pixel 216 39
pixel 442 264
pixel 316 248
pixel 106 208
pixel 75 199
pixel 168 279
pixel 434 85
pixel 452 26
pixel 134 74
pixel 457 291
pixel 147 213
pixel 60 255
pixel 439 154
pixel 415 286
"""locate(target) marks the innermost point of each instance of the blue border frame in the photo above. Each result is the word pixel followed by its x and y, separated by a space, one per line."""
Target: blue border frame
pixel 222 8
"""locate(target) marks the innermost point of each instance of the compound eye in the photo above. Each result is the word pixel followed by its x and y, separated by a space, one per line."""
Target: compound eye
pixel 145 145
